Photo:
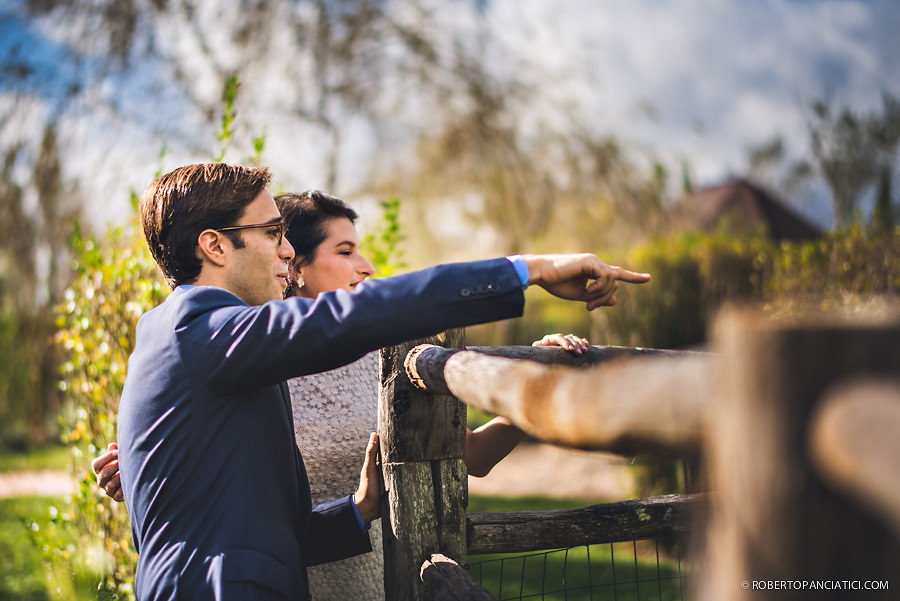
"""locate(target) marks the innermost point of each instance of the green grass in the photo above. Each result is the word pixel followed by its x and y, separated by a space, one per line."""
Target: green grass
pixel 44 458
pixel 483 503
pixel 628 571
pixel 22 574
pixel 27 528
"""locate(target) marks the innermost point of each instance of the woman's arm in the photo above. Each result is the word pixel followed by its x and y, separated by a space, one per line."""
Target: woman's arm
pixel 490 443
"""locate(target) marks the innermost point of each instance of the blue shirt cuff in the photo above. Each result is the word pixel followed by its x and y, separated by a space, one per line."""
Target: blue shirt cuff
pixel 518 262
pixel 362 525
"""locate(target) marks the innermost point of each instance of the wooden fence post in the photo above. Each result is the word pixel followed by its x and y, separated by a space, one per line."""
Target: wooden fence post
pixel 777 530
pixel 422 438
pixel 448 581
pixel 854 443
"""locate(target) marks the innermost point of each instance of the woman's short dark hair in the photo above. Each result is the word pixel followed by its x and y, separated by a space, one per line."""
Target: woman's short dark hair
pixel 305 216
pixel 179 205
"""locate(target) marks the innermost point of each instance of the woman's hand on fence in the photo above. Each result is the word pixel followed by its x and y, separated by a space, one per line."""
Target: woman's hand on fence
pixel 106 468
pixel 580 277
pixel 368 495
pixel 569 342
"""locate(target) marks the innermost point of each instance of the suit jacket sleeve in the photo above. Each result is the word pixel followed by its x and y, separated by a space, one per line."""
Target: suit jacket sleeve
pixel 234 346
pixel 333 533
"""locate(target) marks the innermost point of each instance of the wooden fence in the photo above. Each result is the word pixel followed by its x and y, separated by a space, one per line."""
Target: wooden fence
pixel 797 424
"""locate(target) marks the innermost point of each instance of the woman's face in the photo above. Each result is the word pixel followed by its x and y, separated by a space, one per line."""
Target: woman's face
pixel 337 262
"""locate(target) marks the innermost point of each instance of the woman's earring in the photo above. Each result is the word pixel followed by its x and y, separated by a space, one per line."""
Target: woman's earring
pixel 300 282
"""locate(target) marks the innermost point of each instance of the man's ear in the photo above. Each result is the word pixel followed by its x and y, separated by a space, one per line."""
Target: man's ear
pixel 209 247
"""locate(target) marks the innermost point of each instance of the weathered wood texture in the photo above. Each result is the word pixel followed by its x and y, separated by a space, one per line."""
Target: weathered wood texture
pixel 855 444
pixel 554 355
pixel 415 425
pixel 426 514
pixel 772 518
pixel 422 444
pixel 633 406
pixel 523 531
pixel 446 580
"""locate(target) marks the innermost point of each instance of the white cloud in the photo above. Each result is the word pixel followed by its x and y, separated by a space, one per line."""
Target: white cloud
pixel 702 80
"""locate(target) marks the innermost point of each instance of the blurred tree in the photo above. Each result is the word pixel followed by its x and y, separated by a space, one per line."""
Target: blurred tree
pixel 885 212
pixel 852 149
pixel 531 185
pixel 35 220
pixel 769 165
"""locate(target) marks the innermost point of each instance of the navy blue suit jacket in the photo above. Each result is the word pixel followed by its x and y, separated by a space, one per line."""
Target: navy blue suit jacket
pixel 215 485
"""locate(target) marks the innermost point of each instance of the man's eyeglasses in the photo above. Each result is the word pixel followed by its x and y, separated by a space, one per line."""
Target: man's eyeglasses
pixel 278 225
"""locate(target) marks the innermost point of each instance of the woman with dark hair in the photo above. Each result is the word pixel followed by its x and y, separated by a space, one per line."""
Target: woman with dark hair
pixel 335 411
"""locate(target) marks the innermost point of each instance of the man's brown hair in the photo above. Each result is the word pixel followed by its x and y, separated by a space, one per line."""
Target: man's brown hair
pixel 179 205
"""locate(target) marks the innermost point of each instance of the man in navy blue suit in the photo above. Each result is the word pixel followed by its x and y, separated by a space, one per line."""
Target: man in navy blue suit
pixel 206 390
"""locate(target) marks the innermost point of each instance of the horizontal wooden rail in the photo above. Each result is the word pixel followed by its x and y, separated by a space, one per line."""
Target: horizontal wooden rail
pixel 855 443
pixel 554 355
pixel 446 580
pixel 646 404
pixel 522 531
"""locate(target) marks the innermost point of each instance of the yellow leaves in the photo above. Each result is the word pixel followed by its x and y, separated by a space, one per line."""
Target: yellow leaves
pixel 117 281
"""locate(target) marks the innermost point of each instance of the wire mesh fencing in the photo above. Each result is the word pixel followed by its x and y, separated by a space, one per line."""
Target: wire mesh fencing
pixel 637 570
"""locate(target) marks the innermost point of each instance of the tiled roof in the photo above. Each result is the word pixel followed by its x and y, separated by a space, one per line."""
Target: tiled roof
pixel 745 204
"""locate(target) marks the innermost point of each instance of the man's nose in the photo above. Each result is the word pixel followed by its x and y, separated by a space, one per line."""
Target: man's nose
pixel 285 250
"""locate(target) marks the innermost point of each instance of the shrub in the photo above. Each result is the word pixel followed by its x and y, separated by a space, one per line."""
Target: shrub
pixel 694 273
pixel 845 267
pixel 116 281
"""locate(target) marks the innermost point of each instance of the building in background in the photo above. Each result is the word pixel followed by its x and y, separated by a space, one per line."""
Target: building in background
pixel 740 203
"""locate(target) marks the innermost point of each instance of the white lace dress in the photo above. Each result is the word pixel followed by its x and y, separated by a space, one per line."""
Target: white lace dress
pixel 334 413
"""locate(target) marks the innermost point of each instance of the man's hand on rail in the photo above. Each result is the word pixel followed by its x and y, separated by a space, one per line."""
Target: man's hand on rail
pixel 581 277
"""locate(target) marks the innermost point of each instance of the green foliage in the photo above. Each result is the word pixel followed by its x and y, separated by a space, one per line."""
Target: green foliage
pixel 693 274
pixel 38 552
pixel 229 96
pixel 855 264
pixel 116 281
pixel 259 143
pixel 382 244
